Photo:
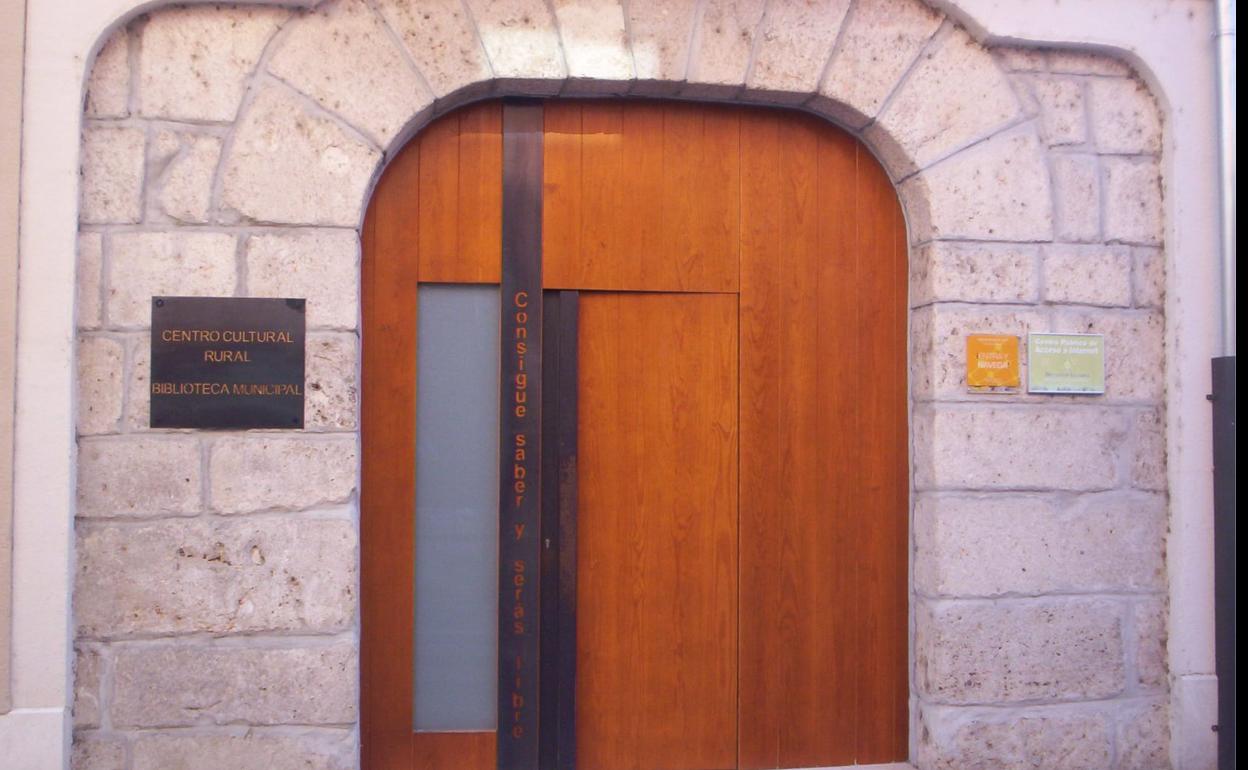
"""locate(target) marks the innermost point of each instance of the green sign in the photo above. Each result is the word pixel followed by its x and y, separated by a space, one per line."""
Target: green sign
pixel 1065 363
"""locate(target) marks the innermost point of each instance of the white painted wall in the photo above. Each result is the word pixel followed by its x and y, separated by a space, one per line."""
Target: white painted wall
pixel 1170 40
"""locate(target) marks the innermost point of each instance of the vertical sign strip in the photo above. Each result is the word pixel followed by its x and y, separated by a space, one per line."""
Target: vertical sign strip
pixel 520 438
pixel 565 438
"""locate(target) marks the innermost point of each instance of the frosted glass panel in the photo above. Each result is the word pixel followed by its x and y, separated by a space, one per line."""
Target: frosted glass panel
pixel 457 509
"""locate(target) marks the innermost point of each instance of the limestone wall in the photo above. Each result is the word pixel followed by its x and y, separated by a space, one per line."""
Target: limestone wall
pixel 231 151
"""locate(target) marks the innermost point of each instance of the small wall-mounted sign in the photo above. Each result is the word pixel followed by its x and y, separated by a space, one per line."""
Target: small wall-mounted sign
pixel 992 363
pixel 1066 363
pixel 227 362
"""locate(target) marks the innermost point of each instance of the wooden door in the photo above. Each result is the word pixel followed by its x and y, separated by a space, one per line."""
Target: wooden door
pixel 743 478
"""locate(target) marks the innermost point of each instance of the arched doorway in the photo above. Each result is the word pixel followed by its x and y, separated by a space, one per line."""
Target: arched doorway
pixel 736 282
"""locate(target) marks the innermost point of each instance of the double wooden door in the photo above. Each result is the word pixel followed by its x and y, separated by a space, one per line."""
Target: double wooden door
pixel 740 423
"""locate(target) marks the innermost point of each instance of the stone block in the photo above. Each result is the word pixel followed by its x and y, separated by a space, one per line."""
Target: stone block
pixel 440 38
pixel 659 31
pixel 794 42
pixel 108 87
pixel 175 685
pixel 262 472
pixel 595 44
pixel 952 97
pixel 88 667
pixel 1148 456
pixel 194 61
pixel 521 40
pixel 1076 62
pixel 1150 634
pixel 292 166
pixel 138 475
pixel 217 576
pixel 1063 119
pixel 321 265
pixel 112 174
pixel 343 56
pixel 1134 350
pixel 1144 738
pixel 963 739
pixel 1133 212
pixel 981 652
pixel 1125 117
pixel 880 40
pixel 310 750
pixel 1018 447
pixel 333 393
pixel 997 190
pixel 939 357
pixel 101 364
pixel 1150 277
pixel 722 44
pixel 993 545
pixel 1076 198
pixel 91 752
pixel 90 274
pixel 184 187
pixel 945 271
pixel 1088 275
pixel 143 265
pixel 138 388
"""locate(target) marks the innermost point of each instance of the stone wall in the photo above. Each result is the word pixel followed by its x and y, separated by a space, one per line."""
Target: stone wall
pixel 231 150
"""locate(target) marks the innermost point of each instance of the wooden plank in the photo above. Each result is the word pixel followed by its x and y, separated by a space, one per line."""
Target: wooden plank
pixel 438 233
pixel 454 751
pixel 561 190
pixel 480 193
pixel 657 550
pixel 566 439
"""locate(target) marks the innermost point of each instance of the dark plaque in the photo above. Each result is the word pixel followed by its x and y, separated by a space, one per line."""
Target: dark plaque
pixel 227 362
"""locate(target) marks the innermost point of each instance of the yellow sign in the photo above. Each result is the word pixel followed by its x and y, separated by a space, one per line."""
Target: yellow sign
pixel 992 363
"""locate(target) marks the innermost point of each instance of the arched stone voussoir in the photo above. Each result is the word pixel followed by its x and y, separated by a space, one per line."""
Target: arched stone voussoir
pixel 595 46
pixel 290 163
pixel 660 32
pixel 998 190
pixel 441 38
pixel 343 56
pixel 723 41
pixel 522 43
pixel 794 42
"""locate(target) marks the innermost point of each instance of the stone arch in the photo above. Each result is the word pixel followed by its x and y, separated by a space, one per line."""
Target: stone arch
pixel 245 166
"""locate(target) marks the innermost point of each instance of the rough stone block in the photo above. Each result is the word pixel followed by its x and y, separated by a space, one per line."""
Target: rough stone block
pixel 595 44
pixel 321 265
pixel 953 96
pixel 520 38
pixel 1125 118
pixel 997 190
pixel 939 357
pixel 292 166
pixel 1074 62
pixel 991 545
pixel 722 44
pixel 964 739
pixel 794 42
pixel 343 57
pixel 143 265
pixel 90 273
pixel 1024 447
pixel 1144 739
pixel 1062 116
pixel 1150 633
pixel 440 38
pixel 1133 212
pixel 1077 198
pixel 659 31
pixel 880 40
pixel 944 271
pixel 108 88
pixel 91 752
pixel 88 667
pixel 969 652
pixel 112 174
pixel 1148 458
pixel 1023 59
pixel 194 61
pixel 175 685
pixel 218 576
pixel 101 362
pixel 319 750
pixel 138 475
pixel 138 388
pixel 1134 350
pixel 257 473
pixel 333 393
pixel 1089 275
pixel 1150 277
pixel 184 187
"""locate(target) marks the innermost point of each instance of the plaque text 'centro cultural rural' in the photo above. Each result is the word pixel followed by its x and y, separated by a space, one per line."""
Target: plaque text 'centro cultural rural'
pixel 227 362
